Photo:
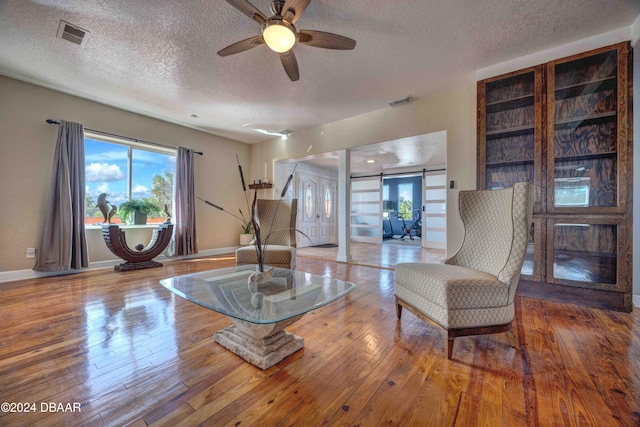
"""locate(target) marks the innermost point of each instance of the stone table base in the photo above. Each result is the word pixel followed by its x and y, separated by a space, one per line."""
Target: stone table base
pixel 262 345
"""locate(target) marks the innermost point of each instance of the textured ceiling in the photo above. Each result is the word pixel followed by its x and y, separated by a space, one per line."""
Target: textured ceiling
pixel 159 57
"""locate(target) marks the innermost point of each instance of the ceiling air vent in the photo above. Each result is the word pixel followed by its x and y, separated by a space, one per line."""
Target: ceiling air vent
pixel 402 101
pixel 72 33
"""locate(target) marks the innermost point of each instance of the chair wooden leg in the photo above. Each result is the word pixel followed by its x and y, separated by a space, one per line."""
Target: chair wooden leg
pixel 398 310
pixel 450 339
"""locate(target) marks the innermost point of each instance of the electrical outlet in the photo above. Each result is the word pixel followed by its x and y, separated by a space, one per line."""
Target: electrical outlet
pixel 31 252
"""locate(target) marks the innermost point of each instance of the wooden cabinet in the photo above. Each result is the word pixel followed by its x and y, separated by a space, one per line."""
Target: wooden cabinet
pixel 510 130
pixel 565 127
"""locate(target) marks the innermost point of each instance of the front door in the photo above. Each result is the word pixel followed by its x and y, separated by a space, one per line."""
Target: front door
pixel 308 205
pixel 317 210
pixel 327 221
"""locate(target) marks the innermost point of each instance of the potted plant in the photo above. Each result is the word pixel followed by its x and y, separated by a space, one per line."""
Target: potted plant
pixel 135 211
pixel 247 231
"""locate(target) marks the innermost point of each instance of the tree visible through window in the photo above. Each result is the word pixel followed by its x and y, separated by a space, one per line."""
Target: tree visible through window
pixel 124 173
pixel 405 201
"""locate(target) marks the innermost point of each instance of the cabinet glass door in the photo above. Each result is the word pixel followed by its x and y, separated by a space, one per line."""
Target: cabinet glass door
pixel 584 136
pixel 583 251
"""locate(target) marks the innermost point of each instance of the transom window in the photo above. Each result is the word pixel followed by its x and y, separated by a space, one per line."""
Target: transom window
pixel 127 171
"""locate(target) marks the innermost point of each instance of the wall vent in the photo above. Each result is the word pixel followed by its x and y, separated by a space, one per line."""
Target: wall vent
pixel 402 101
pixel 72 33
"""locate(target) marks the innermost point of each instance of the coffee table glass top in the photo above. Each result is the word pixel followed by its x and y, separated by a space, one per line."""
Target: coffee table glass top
pixel 287 294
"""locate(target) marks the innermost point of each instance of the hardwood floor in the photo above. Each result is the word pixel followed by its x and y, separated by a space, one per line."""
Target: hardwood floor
pixel 131 353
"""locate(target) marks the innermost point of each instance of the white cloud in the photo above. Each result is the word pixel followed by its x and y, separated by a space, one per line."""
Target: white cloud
pixel 103 172
pixel 140 189
pixel 103 188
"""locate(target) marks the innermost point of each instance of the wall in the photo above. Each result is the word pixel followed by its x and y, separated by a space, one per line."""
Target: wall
pixel 452 110
pixel 26 148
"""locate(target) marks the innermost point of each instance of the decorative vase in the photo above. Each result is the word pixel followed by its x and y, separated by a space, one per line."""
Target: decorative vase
pixel 138 217
pixel 257 278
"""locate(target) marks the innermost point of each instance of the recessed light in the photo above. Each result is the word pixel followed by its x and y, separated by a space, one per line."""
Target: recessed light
pixel 371 161
pixel 193 116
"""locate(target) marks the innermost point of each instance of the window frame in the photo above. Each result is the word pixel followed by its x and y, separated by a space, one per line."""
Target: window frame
pixel 130 145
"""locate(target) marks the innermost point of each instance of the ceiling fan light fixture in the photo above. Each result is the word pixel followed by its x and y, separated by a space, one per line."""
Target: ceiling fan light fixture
pixel 279 35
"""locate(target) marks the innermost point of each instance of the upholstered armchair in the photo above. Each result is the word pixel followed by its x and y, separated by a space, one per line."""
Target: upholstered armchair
pixel 472 293
pixel 278 234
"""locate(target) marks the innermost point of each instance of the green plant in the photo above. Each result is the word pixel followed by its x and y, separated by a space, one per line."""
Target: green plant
pixel 247 226
pixel 146 206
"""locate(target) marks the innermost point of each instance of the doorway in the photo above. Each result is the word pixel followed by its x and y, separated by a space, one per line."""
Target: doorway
pixel 417 155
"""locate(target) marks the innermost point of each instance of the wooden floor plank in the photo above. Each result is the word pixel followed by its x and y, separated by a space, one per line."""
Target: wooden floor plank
pixel 131 353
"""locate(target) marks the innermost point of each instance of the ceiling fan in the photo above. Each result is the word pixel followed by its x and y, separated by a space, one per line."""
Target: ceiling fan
pixel 280 34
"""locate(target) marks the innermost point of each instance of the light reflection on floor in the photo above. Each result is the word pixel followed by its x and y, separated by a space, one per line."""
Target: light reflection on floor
pixel 384 255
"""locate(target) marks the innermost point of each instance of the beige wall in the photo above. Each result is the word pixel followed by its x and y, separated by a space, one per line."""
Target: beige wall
pixel 453 111
pixel 27 144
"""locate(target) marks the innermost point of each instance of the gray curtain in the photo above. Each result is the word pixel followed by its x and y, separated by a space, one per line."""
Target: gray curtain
pixel 185 207
pixel 63 244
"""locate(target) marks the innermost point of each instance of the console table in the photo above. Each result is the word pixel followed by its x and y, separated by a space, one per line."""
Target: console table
pixel 137 259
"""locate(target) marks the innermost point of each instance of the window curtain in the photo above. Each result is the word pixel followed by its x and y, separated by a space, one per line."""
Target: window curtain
pixel 185 207
pixel 63 244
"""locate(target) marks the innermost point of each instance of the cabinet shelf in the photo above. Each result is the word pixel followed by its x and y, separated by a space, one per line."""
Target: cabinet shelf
pixel 511 103
pixel 586 88
pixel 519 130
pixel 510 163
pixel 586 156
pixel 586 119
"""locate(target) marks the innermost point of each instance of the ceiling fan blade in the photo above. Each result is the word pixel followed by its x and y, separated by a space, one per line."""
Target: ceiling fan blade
pixel 325 40
pixel 293 10
pixel 248 9
pixel 290 65
pixel 241 46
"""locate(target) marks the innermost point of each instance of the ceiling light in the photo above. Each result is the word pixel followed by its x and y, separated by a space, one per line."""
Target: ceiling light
pixel 371 161
pixel 283 133
pixel 279 35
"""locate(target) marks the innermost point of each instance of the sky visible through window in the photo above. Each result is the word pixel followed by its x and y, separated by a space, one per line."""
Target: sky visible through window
pixel 106 168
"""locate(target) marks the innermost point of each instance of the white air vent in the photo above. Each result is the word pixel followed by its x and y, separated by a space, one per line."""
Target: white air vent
pixel 402 101
pixel 72 33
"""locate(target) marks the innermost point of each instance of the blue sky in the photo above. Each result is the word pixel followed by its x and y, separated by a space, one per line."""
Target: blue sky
pixel 106 170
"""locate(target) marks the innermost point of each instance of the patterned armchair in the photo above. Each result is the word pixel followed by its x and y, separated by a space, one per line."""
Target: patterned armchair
pixel 278 233
pixel 472 293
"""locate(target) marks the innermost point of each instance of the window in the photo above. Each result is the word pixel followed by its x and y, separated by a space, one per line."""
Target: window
pixel 127 171
pixel 327 202
pixel 405 200
pixel 308 201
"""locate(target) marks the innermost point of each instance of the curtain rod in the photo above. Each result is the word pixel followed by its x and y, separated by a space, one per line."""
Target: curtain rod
pixel 53 122
pixel 382 174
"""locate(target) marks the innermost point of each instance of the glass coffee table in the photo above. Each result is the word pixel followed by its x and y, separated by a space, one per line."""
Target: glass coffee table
pixel 260 315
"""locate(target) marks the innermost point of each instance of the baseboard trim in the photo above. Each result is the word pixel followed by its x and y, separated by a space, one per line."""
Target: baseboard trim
pixel 10 276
